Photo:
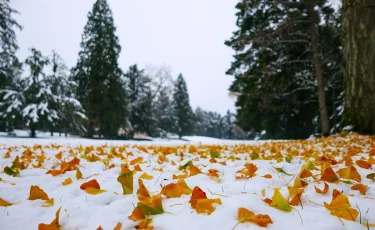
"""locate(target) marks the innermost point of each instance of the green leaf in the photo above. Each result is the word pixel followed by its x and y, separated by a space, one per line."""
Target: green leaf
pixel 280 170
pixel 10 172
pixel 16 163
pixel 346 181
pixel 288 159
pixel 254 155
pixel 215 154
pixel 126 181
pixel 185 165
pixel 279 202
pixel 371 176
pixel 310 166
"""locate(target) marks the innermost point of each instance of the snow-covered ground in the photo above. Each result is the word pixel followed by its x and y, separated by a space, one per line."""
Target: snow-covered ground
pixel 240 174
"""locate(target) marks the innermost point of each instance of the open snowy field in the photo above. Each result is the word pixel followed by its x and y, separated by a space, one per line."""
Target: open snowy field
pixel 202 184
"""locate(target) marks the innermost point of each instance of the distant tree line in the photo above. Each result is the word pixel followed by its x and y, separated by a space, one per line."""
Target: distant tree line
pixel 96 98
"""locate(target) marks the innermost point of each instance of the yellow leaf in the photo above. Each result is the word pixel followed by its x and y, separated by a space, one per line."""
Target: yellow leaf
pixel 49 203
pixel 146 176
pixel 198 193
pixel 350 173
pixel 245 215
pixel 118 226
pixel 207 205
pixel 67 181
pixel 361 188
pixel 142 192
pixel 324 191
pixel 126 181
pixel 4 203
pixel 93 191
pixel 37 193
pixel 78 174
pixel 194 170
pixel 279 202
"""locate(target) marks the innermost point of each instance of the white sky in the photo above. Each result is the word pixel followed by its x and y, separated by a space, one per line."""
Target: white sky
pixel 187 35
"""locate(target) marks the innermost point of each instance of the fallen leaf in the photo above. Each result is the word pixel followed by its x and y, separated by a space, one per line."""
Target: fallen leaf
pixel 126 181
pixel 142 191
pixel 67 181
pixel 279 202
pixel 206 206
pixel 268 176
pixel 324 191
pixel 54 225
pixel 118 226
pixel 37 193
pixel 245 215
pixel 4 203
pixel 340 207
pixel 78 174
pixel 196 195
pixel 371 176
pixel 194 170
pixel 92 183
pixel 93 191
pixel 363 164
pixel 49 203
pixel 329 175
pixel 280 170
pixel 350 173
pixel 361 188
pixel 176 190
pixel 146 176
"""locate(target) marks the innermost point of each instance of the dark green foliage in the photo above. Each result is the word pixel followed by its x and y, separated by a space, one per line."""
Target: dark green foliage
pixel 273 68
pixel 181 108
pixel 163 111
pixel 100 86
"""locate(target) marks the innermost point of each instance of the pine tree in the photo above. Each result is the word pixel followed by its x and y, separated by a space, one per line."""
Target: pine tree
pixel 100 86
pixel 278 60
pixel 164 113
pixel 359 53
pixel 182 110
pixel 140 99
pixel 9 63
pixel 69 109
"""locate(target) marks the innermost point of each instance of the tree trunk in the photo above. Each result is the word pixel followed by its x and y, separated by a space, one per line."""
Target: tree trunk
pixel 33 133
pixel 359 76
pixel 318 69
pixel 51 133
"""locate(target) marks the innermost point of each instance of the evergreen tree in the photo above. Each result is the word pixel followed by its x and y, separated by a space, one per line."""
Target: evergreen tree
pixel 279 58
pixel 9 64
pixel 228 120
pixel 100 86
pixel 164 113
pixel 182 110
pixel 69 109
pixel 140 99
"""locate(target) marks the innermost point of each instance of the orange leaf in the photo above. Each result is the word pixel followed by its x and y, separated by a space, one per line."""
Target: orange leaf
pixel 206 205
pixel 361 188
pixel 142 192
pixel 67 181
pixel 194 170
pixel 4 203
pixel 251 169
pixel 136 215
pixel 137 168
pixel 329 175
pixel 363 164
pixel 176 190
pixel 245 215
pixel 324 191
pixel 58 156
pixel 92 183
pixel 197 194
pixel 180 176
pixel 350 173
pixel 54 225
pixel 99 228
pixel 268 176
pixel 136 161
pixel 118 226
pixel 37 193
pixel 213 173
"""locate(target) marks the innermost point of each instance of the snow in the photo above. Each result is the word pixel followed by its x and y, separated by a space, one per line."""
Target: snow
pixel 84 211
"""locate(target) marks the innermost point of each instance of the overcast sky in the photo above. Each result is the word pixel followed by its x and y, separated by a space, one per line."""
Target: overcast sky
pixel 187 35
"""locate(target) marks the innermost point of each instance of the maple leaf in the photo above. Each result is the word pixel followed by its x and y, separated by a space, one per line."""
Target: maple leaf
pixel 142 191
pixel 4 203
pixel 363 164
pixel 361 188
pixel 245 215
pixel 279 202
pixel 340 207
pixel 54 225
pixel 329 175
pixel 324 191
pixel 67 181
pixel 37 193
pixel 350 173
pixel 126 181
pixel 146 176
pixel 176 190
